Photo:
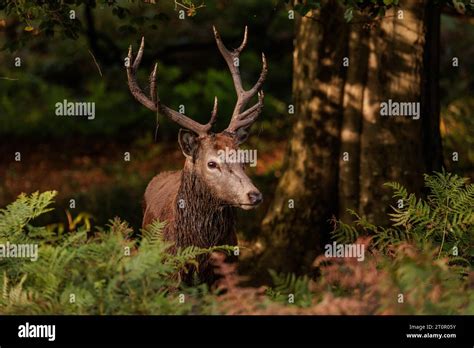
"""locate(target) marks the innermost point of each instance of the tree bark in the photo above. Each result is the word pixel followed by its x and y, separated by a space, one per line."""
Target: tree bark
pixel 391 147
pixel 341 150
pixel 354 89
pixel 311 172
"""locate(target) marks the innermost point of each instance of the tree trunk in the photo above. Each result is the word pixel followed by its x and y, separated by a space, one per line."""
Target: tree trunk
pixel 391 147
pixel 305 193
pixel 341 149
pixel 350 138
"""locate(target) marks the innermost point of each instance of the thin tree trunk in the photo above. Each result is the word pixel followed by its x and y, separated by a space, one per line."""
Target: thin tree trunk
pixel 349 159
pixel 430 90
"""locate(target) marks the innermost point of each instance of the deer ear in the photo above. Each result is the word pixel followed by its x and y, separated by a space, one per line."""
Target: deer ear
pixel 241 135
pixel 188 141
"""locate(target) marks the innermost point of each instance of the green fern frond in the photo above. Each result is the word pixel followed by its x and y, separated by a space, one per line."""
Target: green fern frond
pixel 18 214
pixel 286 285
pixel 153 233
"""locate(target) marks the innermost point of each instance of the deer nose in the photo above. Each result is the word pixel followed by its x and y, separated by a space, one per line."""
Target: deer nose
pixel 255 197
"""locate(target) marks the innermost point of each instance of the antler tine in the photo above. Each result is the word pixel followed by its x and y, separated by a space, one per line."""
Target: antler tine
pixel 138 58
pixel 214 114
pixel 244 41
pixel 254 108
pixel 239 116
pixel 132 81
pixel 248 117
pixel 261 79
pixel 229 58
pixel 153 84
pixel 153 102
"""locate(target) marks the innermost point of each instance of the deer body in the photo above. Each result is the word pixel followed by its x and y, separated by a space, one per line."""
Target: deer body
pixel 198 202
pixel 205 222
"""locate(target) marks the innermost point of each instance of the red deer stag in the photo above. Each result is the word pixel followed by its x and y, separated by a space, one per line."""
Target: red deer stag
pixel 198 201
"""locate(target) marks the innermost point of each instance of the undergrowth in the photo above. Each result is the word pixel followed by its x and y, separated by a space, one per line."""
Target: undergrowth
pixel 420 264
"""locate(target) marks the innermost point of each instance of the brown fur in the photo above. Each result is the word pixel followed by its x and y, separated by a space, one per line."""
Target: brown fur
pixel 160 199
pixel 204 220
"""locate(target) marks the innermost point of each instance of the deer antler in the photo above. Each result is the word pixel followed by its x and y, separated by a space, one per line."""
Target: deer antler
pixel 241 118
pixel 153 102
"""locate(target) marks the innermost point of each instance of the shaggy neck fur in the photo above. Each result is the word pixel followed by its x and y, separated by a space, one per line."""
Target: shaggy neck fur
pixel 202 220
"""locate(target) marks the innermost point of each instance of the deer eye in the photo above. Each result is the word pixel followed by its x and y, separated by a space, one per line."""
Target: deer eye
pixel 212 164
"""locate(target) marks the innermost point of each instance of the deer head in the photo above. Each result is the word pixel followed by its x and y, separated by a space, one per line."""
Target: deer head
pixel 204 149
